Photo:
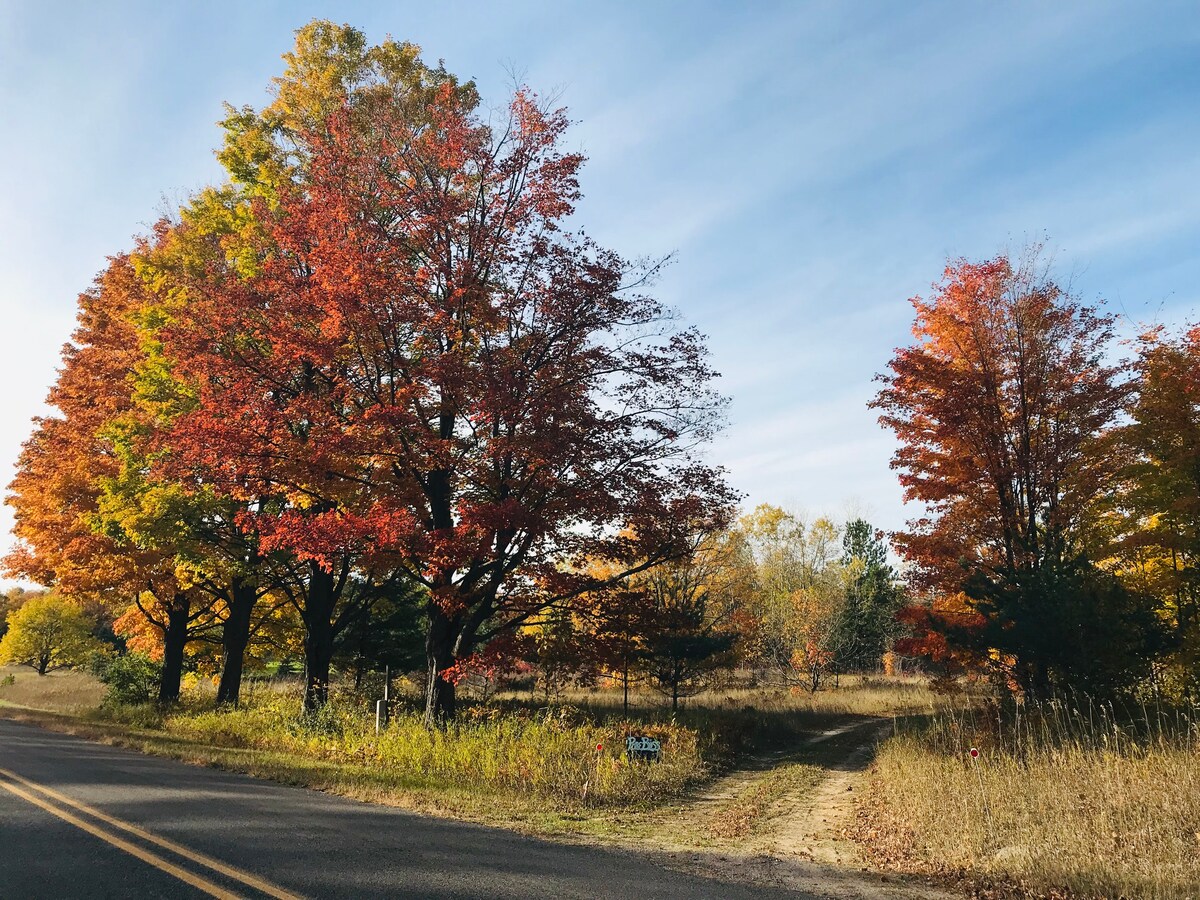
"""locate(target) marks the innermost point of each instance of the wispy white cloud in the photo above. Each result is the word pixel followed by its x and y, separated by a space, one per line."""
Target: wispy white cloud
pixel 813 165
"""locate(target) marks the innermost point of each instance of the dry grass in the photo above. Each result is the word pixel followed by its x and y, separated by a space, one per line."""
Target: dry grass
pixel 1058 799
pixel 558 756
pixel 62 691
pixel 855 696
pixel 858 695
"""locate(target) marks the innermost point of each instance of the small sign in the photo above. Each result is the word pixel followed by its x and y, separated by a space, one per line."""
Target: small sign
pixel 643 748
pixel 974 753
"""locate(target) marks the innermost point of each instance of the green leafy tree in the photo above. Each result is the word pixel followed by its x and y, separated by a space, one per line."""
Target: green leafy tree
pixel 390 634
pixel 691 616
pixel 867 623
pixel 48 633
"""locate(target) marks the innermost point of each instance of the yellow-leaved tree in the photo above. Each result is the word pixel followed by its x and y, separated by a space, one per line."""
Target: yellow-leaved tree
pixel 799 593
pixel 48 633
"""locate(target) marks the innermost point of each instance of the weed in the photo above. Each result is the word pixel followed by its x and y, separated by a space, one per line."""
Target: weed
pixel 561 755
pixel 1090 798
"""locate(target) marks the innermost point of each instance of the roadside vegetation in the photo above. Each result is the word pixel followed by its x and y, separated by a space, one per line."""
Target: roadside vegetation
pixel 566 757
pixel 1095 799
pixel 559 756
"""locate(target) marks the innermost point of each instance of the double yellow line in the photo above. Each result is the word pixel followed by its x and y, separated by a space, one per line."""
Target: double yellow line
pixel 30 791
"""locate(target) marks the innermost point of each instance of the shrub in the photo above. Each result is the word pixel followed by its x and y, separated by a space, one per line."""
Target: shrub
pixel 132 678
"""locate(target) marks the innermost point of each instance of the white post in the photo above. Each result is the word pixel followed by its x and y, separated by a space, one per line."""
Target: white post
pixel 381 706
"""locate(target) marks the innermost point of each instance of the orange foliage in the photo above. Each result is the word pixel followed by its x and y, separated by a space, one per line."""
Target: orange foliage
pixel 140 635
pixel 997 407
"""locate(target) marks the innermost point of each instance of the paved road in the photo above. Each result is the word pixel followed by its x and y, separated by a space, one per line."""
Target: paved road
pixel 79 819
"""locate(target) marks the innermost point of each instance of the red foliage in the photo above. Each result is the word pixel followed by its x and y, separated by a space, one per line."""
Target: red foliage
pixel 997 406
pixel 425 372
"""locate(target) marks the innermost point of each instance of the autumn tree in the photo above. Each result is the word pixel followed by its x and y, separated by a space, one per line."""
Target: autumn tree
pixel 46 633
pixel 620 623
pixel 64 540
pixel 422 369
pixel 798 588
pixel 559 650
pixel 817 634
pixel 997 407
pixel 1155 506
pixel 331 75
pixel 198 531
pixel 10 602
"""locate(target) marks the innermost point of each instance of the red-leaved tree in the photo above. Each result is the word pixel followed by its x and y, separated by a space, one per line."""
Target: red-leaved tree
pixel 430 376
pixel 998 406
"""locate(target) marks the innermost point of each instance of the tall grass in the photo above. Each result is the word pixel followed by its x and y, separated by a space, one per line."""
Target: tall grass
pixel 865 695
pixel 558 755
pixel 63 691
pixel 1077 795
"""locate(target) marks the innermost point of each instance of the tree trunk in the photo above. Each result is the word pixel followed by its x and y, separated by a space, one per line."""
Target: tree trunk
pixel 174 643
pixel 236 635
pixel 440 699
pixel 625 685
pixel 43 663
pixel 318 637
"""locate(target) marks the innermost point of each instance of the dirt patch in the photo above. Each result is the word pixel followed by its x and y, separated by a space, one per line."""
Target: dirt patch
pixel 815 824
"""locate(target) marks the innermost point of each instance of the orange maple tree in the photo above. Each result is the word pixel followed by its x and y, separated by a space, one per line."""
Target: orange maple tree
pixel 998 406
pixel 65 463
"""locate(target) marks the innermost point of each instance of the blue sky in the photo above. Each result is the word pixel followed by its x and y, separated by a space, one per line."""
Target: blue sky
pixel 811 166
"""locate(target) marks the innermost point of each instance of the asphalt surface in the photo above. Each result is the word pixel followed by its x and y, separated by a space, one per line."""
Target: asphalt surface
pixel 300 842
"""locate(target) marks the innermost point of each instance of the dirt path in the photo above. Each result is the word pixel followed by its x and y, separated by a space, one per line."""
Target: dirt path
pixel 779 822
pixel 811 825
